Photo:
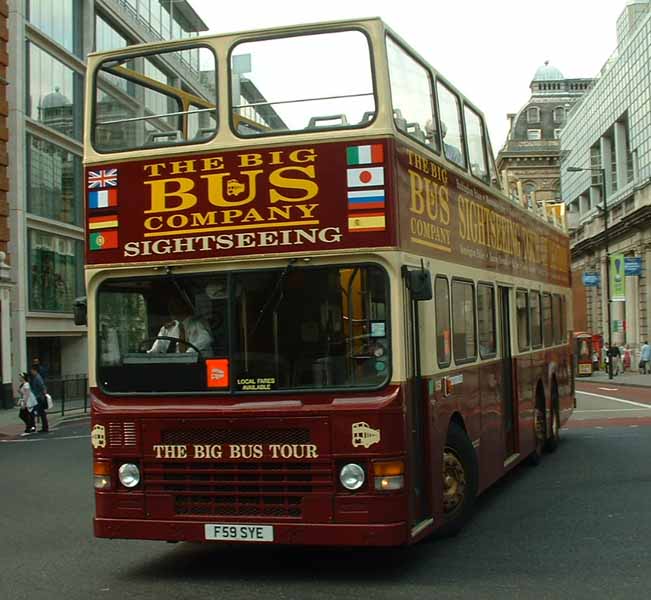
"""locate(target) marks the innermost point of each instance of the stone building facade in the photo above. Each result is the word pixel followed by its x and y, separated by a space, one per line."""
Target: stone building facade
pixel 529 161
pixel 607 143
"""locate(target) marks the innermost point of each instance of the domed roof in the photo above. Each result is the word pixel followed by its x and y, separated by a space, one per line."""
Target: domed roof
pixel 55 100
pixel 548 73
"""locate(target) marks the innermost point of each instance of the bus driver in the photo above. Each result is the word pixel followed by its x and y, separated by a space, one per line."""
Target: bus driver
pixel 192 334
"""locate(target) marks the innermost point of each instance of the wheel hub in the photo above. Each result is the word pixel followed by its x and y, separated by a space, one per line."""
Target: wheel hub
pixel 454 481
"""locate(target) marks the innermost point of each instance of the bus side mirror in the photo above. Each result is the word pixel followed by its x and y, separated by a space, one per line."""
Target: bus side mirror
pixel 79 310
pixel 419 282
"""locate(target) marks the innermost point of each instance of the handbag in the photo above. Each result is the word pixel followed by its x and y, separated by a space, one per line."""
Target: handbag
pixel 50 402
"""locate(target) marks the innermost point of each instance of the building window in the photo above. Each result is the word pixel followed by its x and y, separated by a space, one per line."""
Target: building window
pixel 59 20
pixel 533 114
pixel 107 37
pixel 559 114
pixel 53 176
pixel 534 134
pixel 54 271
pixel 557 134
pixel 54 94
pixel 530 194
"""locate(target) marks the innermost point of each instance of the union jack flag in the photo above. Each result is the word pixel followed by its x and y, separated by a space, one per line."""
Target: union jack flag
pixel 102 178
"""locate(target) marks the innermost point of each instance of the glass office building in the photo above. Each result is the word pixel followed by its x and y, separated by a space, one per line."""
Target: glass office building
pixel 48 45
pixel 608 136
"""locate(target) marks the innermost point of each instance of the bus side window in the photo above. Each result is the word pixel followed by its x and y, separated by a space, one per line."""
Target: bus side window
pixel 536 327
pixel 548 330
pixel 464 344
pixel 451 128
pixel 486 320
pixel 442 314
pixel 475 134
pixel 412 96
pixel 522 311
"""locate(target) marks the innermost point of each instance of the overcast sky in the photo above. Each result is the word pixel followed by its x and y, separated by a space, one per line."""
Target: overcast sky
pixel 489 49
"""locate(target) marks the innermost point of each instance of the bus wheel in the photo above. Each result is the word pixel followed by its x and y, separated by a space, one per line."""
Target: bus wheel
pixel 540 432
pixel 460 481
pixel 555 437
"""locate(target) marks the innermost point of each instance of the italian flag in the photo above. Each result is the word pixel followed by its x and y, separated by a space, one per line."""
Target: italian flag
pixel 365 155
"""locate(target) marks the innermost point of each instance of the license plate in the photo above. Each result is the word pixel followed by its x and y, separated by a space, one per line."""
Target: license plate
pixel 239 532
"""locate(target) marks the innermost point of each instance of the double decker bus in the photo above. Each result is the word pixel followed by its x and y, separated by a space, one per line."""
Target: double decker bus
pixel 314 317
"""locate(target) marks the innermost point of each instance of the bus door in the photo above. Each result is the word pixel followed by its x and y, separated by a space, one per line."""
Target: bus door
pixel 418 287
pixel 509 401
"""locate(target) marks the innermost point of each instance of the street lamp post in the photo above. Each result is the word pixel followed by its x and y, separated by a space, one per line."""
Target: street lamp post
pixel 606 241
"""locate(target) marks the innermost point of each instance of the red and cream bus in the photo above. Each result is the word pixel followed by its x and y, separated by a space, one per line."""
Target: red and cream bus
pixel 314 318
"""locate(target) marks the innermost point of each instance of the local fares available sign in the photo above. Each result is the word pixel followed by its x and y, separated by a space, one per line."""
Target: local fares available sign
pixel 223 204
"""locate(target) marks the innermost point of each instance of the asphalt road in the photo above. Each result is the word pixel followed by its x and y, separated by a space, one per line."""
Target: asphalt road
pixel 577 526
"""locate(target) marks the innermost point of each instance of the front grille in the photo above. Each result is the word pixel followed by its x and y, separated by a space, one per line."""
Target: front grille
pixel 122 434
pixel 239 489
pixel 235 436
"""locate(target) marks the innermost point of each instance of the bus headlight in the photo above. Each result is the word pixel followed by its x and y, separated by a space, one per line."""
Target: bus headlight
pixel 129 475
pixel 352 476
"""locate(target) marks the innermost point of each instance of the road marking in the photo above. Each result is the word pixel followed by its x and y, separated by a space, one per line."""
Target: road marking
pixel 648 406
pixel 44 439
pixel 618 410
pixel 608 389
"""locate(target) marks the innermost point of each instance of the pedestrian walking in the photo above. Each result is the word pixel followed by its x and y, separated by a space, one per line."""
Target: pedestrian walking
pixel 27 403
pixel 38 388
pixel 616 357
pixel 645 358
pixel 40 367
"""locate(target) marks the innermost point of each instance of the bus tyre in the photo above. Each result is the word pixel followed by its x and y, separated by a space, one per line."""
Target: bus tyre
pixel 555 433
pixel 539 432
pixel 460 481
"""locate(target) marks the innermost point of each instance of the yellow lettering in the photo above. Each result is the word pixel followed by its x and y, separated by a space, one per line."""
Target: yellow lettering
pixel 153 169
pixel 182 166
pixel 277 179
pixel 160 195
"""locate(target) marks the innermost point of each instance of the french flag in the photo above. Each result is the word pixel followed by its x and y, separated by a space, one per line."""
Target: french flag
pixel 102 198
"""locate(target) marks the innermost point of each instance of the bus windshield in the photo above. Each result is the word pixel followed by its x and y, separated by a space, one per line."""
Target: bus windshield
pixel 263 330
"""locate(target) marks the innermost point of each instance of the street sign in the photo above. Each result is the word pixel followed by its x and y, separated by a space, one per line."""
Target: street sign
pixel 591 279
pixel 632 265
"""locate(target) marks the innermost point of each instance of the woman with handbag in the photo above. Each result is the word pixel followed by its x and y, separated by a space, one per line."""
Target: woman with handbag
pixel 27 403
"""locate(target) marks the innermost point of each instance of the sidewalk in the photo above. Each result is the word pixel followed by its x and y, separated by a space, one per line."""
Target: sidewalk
pixel 11 425
pixel 628 378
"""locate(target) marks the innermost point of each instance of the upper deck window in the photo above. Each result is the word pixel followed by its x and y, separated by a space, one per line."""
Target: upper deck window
pixel 302 83
pixel 451 129
pixel 154 100
pixel 413 99
pixel 475 132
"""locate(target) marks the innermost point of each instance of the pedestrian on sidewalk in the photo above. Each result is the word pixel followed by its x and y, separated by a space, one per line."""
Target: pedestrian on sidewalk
pixel 26 403
pixel 616 357
pixel 38 387
pixel 645 358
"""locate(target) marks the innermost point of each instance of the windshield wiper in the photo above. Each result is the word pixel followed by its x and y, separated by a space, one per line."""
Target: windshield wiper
pixel 272 297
